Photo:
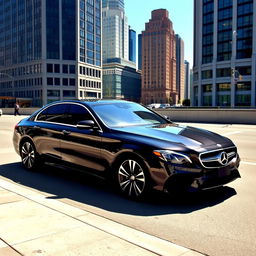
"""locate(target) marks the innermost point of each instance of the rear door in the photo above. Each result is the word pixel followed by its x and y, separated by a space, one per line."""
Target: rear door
pixel 48 128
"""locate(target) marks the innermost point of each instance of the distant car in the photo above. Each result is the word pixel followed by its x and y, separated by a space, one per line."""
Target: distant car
pixel 131 145
pixel 166 105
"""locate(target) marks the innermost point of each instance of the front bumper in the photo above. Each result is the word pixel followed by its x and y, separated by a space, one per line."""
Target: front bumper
pixel 202 179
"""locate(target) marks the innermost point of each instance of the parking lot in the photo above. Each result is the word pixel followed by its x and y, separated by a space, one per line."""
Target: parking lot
pixel 219 222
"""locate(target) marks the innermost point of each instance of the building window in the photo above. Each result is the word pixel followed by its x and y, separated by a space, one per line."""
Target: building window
pixel 72 82
pixel 244 71
pixel 49 68
pixel 69 93
pixel 206 74
pixel 56 81
pixel 65 81
pixel 223 87
pixel 196 95
pixel 56 68
pixel 208 7
pixel 245 86
pixel 223 100
pixel 72 69
pixel 195 76
pixel 207 87
pixel 243 100
pixel 224 3
pixel 49 81
pixel 225 13
pixel 223 72
pixel 225 36
pixel 207 100
pixel 53 93
pixel 65 68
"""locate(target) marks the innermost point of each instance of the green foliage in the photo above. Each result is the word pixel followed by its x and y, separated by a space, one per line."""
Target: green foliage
pixel 186 102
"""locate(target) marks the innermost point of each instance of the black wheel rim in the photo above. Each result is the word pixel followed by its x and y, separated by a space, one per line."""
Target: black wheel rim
pixel 28 155
pixel 131 178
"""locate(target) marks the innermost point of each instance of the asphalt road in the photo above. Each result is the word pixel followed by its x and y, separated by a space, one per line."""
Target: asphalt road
pixel 218 222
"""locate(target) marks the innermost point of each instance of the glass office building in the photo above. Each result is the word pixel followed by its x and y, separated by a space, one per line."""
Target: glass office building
pixel 224 53
pixel 132 45
pixel 50 50
pixel 120 77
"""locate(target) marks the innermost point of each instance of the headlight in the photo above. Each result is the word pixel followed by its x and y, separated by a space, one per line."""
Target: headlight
pixel 172 156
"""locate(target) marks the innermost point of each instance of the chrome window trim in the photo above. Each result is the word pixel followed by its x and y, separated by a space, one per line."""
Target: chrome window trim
pixel 216 150
pixel 71 125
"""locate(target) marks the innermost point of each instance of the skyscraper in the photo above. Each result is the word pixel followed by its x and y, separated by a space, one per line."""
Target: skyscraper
pixel 187 80
pixel 50 50
pixel 224 53
pixel 115 31
pixel 158 60
pixel 180 68
pixel 120 79
pixel 139 51
pixel 132 45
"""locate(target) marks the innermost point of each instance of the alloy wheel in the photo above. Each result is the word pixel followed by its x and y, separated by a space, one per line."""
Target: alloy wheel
pixel 28 155
pixel 131 178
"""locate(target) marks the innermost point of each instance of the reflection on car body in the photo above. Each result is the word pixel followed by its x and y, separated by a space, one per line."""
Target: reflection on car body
pixel 135 147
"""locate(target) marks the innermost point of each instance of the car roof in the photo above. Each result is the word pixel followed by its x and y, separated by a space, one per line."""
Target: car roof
pixel 91 102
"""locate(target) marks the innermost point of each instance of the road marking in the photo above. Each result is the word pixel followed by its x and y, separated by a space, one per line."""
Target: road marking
pixel 249 163
pixel 231 133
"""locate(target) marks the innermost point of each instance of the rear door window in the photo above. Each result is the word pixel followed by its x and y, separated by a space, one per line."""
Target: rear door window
pixel 54 114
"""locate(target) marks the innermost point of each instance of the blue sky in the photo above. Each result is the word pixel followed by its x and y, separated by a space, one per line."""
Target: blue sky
pixel 180 13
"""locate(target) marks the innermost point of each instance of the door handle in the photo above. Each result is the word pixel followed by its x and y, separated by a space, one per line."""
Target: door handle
pixel 65 132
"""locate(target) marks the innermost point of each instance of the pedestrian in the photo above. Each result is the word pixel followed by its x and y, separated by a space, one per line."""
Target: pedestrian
pixel 16 109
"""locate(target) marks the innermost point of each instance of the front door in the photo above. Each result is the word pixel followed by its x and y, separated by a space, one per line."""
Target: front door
pixel 80 147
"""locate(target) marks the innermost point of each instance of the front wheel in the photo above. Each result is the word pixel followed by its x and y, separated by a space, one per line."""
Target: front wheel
pixel 29 156
pixel 133 178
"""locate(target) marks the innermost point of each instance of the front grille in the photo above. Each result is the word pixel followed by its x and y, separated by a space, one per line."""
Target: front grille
pixel 217 158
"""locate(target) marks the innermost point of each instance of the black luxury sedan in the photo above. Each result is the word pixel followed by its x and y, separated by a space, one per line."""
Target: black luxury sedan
pixel 132 145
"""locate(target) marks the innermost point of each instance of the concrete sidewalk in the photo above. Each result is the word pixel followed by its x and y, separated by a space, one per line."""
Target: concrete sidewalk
pixel 31 224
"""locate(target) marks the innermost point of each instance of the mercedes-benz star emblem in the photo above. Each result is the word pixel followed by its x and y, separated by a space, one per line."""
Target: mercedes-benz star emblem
pixel 223 159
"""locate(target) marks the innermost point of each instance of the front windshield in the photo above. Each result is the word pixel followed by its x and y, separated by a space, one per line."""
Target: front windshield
pixel 126 114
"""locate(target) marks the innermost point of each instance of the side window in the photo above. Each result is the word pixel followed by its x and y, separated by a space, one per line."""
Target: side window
pixel 77 113
pixel 42 116
pixel 55 114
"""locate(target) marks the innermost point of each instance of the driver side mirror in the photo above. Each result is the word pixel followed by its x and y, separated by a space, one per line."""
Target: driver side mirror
pixel 86 124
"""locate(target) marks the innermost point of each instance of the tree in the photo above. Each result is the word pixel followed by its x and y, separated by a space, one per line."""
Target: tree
pixel 186 102
pixel 170 101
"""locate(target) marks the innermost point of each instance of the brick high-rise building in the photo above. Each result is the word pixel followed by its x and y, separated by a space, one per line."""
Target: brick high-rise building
pixel 158 60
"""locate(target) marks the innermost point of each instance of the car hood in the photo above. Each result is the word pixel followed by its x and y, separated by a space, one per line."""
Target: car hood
pixel 167 135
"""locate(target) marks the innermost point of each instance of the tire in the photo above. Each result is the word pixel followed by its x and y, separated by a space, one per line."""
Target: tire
pixel 132 178
pixel 29 156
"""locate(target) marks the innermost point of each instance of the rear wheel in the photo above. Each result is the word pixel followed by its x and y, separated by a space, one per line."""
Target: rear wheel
pixel 132 178
pixel 29 156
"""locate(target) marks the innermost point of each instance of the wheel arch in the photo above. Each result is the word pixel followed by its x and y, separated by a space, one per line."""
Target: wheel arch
pixel 125 155
pixel 26 138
